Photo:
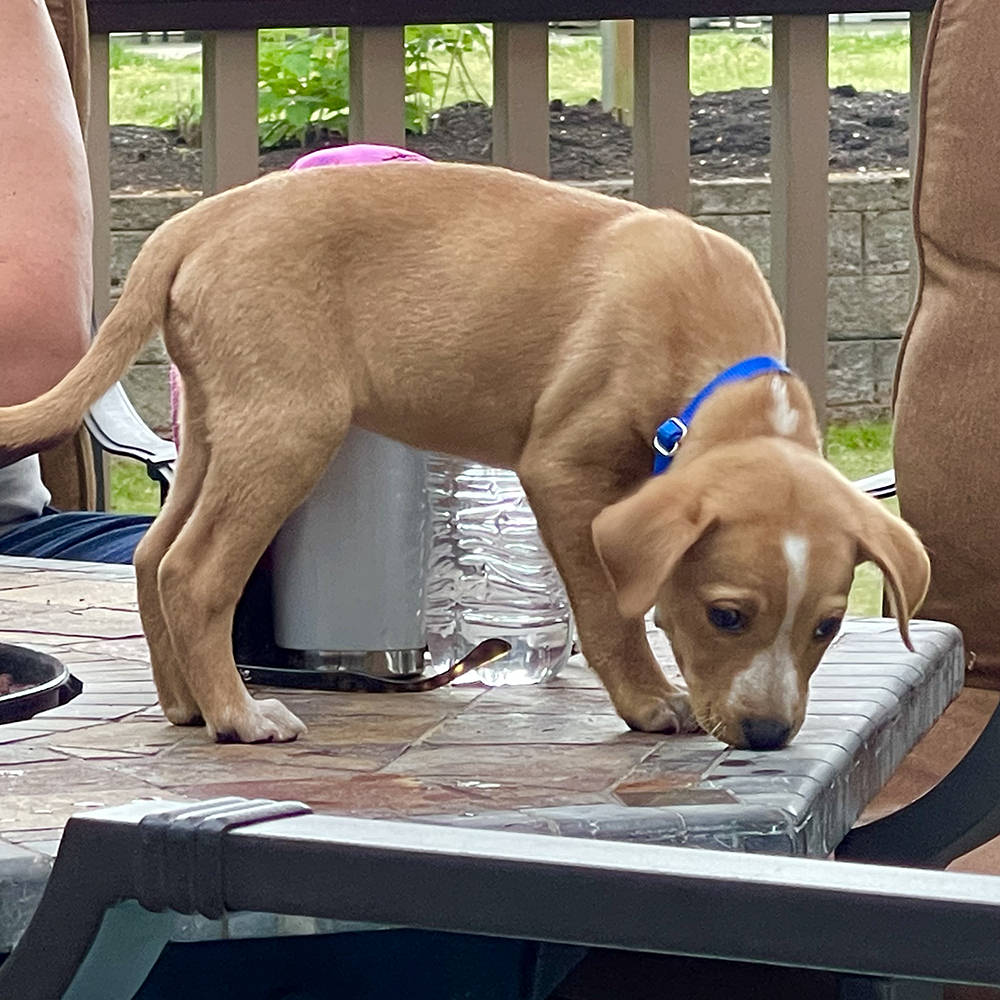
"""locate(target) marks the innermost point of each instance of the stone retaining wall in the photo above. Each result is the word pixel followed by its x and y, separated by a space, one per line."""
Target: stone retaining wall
pixel 869 297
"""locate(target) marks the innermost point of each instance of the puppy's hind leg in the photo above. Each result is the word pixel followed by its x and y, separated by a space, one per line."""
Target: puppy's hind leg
pixel 261 466
pixel 175 697
pixel 176 700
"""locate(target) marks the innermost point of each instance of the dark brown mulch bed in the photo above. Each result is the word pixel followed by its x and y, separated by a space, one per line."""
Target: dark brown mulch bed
pixel 729 138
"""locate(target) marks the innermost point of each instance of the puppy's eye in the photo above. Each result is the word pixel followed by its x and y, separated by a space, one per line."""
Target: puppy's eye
pixel 827 629
pixel 726 619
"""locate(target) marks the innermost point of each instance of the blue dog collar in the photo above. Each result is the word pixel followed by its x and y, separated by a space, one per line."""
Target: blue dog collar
pixel 671 432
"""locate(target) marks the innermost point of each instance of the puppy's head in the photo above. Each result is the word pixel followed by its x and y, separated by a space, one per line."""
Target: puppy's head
pixel 748 553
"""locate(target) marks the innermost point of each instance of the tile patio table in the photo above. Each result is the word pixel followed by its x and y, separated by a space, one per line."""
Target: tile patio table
pixel 553 759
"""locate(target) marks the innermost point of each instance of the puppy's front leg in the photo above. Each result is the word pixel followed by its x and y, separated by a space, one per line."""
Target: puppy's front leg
pixel 565 501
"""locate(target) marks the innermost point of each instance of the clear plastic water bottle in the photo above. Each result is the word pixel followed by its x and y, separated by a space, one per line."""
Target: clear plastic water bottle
pixel 489 574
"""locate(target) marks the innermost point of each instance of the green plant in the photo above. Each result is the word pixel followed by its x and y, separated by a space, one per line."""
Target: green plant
pixel 304 77
pixel 185 117
pixel 303 85
pixel 427 84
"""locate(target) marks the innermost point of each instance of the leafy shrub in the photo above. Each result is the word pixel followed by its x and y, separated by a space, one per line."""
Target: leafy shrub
pixel 302 85
pixel 304 77
pixel 427 46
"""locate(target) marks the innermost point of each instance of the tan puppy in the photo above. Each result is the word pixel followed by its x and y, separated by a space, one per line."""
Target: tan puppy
pixel 524 324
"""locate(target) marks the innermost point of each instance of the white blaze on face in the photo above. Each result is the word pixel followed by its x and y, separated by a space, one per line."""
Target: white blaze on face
pixel 784 417
pixel 770 684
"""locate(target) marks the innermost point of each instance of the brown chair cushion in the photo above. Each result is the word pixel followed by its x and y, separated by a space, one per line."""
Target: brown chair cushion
pixel 947 408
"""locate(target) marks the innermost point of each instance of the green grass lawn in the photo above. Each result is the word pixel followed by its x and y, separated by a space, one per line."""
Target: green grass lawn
pixel 856 449
pixel 860 450
pixel 149 90
pixel 132 491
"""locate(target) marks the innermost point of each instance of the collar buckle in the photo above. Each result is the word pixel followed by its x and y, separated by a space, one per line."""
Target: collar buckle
pixel 669 436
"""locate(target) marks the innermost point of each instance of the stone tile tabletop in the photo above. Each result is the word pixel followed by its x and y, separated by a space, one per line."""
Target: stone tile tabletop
pixel 554 758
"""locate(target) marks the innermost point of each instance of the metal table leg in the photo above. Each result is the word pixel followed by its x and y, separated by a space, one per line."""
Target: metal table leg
pixel 958 814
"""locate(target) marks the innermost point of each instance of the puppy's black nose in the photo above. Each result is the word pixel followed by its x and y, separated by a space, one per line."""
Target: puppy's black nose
pixel 765 734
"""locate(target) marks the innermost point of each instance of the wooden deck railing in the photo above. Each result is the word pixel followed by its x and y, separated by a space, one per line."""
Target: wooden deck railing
pixel 799 125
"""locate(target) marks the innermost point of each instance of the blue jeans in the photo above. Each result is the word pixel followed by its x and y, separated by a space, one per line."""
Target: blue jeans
pixel 77 535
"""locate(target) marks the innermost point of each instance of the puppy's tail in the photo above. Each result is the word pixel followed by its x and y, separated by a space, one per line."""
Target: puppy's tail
pixel 56 414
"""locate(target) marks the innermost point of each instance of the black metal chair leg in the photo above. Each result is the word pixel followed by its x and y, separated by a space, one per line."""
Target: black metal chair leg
pixel 958 814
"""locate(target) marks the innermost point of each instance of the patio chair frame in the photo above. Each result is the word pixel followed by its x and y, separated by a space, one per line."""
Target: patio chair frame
pixel 257 855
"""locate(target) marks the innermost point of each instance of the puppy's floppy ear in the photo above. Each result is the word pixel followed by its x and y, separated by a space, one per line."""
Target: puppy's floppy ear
pixel 640 539
pixel 890 543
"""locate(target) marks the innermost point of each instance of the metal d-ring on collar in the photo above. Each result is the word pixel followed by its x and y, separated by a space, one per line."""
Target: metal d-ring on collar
pixel 672 432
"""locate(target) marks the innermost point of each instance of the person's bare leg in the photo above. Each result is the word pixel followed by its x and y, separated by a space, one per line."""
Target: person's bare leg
pixel 45 244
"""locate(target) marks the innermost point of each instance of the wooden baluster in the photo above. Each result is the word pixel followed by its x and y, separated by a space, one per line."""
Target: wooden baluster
pixel 378 86
pixel 661 113
pixel 800 140
pixel 229 100
pixel 617 68
pixel 521 97
pixel 99 161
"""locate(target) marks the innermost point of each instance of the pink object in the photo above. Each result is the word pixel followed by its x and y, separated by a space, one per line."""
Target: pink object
pixel 359 152
pixel 334 156
pixel 175 405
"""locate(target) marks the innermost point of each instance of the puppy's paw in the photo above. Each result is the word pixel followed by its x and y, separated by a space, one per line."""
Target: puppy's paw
pixel 265 721
pixel 668 713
